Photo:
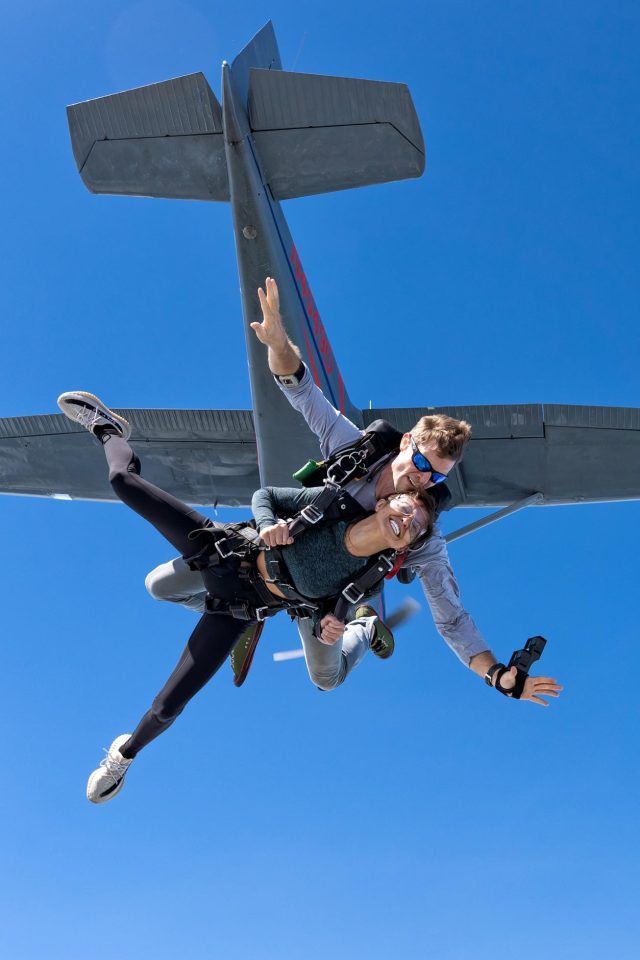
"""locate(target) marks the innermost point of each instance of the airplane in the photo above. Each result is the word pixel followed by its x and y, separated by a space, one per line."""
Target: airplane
pixel 274 136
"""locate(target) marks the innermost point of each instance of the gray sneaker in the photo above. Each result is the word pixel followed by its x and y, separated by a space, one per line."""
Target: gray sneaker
pixel 382 642
pixel 90 412
pixel 108 780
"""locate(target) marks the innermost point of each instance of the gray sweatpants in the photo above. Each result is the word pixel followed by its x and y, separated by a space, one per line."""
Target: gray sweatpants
pixel 328 664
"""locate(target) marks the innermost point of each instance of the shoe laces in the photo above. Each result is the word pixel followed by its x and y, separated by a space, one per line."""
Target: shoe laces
pixel 115 769
pixel 88 417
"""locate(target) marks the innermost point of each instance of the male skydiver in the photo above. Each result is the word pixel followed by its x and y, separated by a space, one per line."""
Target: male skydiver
pixel 427 454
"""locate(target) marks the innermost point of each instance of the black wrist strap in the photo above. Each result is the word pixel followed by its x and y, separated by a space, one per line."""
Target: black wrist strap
pixel 488 677
pixel 499 687
pixel 291 379
pixel 516 691
pixel 522 661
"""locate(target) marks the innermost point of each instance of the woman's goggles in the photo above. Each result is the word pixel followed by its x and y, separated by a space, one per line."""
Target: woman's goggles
pixel 408 508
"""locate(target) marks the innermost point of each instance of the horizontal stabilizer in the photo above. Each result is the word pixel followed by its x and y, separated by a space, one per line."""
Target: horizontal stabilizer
pixel 162 140
pixel 569 454
pixel 317 134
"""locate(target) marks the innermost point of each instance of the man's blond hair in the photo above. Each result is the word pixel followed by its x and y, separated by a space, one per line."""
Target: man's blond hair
pixel 449 436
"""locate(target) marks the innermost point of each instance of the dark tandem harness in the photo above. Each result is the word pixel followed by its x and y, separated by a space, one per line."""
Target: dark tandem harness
pixel 233 547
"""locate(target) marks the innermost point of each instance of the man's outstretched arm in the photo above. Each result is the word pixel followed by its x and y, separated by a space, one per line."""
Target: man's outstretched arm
pixel 456 626
pixel 331 427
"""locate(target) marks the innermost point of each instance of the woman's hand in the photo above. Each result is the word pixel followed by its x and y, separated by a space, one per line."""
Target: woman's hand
pixel 332 629
pixel 276 535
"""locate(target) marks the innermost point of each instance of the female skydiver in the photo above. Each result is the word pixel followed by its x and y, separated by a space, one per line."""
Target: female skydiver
pixel 241 590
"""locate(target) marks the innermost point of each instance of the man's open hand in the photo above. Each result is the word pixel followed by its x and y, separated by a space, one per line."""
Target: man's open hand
pixel 271 331
pixel 534 687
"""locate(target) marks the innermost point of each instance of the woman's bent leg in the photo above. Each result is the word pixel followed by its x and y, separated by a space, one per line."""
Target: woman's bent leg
pixel 208 646
pixel 172 518
pixel 330 664
pixel 175 582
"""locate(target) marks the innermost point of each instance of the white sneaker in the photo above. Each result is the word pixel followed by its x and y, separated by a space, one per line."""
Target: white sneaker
pixel 108 780
pixel 89 412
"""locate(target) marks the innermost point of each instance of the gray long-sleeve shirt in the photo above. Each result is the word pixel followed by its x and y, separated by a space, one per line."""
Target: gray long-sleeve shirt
pixel 431 561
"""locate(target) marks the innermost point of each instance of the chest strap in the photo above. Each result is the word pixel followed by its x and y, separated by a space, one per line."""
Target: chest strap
pixel 345 469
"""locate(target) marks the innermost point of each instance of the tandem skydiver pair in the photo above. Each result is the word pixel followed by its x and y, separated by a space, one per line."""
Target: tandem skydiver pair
pixel 395 501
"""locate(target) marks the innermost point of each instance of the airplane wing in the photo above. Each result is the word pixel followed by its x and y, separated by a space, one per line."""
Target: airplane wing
pixel 203 457
pixel 569 454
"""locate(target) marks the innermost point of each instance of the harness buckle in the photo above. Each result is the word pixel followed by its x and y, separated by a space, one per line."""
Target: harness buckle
pixel 332 484
pixel 303 611
pixel 219 545
pixel 311 514
pixel 239 611
pixel 261 613
pixel 352 593
pixel 389 563
pixel 340 471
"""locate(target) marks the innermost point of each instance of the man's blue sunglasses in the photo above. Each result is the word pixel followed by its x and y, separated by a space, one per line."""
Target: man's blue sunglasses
pixel 420 461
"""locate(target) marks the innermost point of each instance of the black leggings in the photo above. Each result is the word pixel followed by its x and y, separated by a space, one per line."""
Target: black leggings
pixel 215 633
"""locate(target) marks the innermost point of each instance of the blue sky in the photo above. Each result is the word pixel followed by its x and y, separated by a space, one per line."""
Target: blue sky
pixel 413 812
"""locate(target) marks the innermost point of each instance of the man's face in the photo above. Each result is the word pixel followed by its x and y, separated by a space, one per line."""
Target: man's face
pixel 406 476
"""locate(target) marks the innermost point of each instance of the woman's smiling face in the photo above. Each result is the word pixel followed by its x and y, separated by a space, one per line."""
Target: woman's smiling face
pixel 402 518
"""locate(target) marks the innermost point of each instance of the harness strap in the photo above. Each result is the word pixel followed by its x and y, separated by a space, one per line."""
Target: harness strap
pixel 373 574
pixel 243 610
pixel 350 463
pixel 240 609
pixel 314 512
pixel 397 564
pixel 221 543
pixel 279 577
pixel 339 473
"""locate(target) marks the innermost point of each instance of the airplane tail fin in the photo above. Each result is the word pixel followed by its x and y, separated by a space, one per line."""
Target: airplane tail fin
pixel 312 134
pixel 260 53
